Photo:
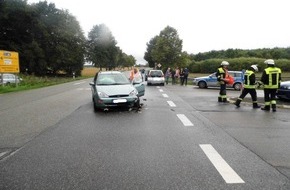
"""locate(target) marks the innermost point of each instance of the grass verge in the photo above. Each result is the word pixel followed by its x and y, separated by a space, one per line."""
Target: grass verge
pixel 33 82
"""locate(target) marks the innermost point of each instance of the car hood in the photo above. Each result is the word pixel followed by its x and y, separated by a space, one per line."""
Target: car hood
pixel 111 90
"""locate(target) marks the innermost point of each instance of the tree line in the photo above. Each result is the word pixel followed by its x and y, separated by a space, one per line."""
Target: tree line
pixel 50 40
pixel 166 49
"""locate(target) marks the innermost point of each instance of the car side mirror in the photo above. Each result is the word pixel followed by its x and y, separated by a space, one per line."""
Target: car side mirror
pixel 92 83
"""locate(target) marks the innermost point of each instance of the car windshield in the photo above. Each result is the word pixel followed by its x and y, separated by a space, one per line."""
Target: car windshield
pixel 112 79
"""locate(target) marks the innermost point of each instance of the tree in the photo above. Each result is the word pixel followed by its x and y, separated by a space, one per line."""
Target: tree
pixel 61 38
pixel 124 60
pixel 148 54
pixel 165 49
pixel 102 50
pixel 44 36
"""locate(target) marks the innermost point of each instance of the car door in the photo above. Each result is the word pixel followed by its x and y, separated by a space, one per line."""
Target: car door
pixel 212 80
pixel 139 85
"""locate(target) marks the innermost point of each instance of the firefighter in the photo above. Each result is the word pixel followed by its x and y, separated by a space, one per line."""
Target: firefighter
pixel 249 86
pixel 222 74
pixel 271 79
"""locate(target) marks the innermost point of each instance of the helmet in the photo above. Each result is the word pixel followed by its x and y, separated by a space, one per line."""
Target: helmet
pixel 255 67
pixel 270 62
pixel 225 63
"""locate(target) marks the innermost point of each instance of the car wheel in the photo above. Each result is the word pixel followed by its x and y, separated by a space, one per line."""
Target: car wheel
pixel 202 84
pixel 237 86
pixel 148 84
pixel 162 84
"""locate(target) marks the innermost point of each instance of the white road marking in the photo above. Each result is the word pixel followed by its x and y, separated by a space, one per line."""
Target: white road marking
pixel 171 104
pixel 184 120
pixel 157 86
pixel 83 88
pixel 81 82
pixel 161 90
pixel 165 95
pixel 3 153
pixel 229 175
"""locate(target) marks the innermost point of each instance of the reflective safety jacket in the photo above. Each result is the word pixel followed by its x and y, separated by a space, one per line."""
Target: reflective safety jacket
pixel 249 79
pixel 221 74
pixel 271 77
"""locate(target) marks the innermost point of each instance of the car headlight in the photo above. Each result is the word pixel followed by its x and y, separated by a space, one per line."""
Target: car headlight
pixel 102 95
pixel 134 93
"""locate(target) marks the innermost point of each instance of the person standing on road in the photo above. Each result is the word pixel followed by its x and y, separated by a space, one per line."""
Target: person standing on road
pixel 173 76
pixel 167 75
pixel 271 79
pixel 185 76
pixel 177 74
pixel 222 75
pixel 135 74
pixel 249 86
pixel 181 76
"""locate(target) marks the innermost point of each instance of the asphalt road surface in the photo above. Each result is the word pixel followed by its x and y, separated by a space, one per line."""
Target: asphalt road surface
pixel 181 139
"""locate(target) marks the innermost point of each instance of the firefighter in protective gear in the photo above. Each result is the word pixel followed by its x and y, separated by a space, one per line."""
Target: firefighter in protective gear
pixel 222 75
pixel 271 79
pixel 249 86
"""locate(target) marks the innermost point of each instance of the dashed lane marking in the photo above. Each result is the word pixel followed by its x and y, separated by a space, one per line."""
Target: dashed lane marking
pixel 186 122
pixel 78 83
pixel 161 90
pixel 171 104
pixel 165 95
pixel 3 153
pixel 229 175
pixel 83 88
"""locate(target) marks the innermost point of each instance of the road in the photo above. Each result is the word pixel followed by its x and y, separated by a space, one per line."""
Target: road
pixel 181 139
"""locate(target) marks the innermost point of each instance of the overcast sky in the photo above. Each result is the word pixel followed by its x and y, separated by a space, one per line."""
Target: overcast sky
pixel 203 25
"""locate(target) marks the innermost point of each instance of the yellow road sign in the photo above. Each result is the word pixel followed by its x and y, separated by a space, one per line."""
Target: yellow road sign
pixel 9 62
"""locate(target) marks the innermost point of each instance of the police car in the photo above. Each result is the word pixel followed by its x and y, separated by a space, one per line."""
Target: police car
pixel 211 80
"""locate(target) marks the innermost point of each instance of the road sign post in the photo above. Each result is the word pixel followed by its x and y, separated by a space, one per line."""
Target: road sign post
pixel 9 62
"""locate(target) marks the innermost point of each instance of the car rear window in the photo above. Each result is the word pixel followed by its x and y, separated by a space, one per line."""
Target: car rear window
pixel 156 73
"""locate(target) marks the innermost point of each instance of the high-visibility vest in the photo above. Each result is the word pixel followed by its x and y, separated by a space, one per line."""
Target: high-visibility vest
pixel 247 82
pixel 273 76
pixel 223 74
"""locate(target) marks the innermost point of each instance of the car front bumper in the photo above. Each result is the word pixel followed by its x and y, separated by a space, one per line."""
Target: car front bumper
pixel 115 102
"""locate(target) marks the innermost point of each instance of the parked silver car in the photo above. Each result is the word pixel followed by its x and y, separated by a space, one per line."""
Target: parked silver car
pixel 155 77
pixel 9 79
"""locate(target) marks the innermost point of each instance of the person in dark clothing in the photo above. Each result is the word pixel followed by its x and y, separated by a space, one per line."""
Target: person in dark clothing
pixel 181 76
pixel 173 76
pixel 185 76
pixel 249 86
